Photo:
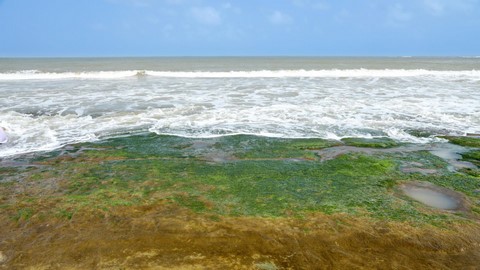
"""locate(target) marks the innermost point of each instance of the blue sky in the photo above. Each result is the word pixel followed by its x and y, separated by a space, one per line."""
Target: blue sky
pixel 248 27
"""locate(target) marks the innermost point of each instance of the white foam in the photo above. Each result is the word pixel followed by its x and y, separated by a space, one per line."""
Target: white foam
pixel 38 75
pixel 402 136
pixel 50 110
pixel 3 136
pixel 29 134
pixel 335 73
pixel 324 73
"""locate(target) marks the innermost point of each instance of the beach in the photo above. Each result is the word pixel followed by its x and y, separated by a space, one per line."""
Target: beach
pixel 241 202
pixel 240 163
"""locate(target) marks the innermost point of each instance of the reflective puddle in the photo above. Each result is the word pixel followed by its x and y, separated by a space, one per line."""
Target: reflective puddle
pixel 433 196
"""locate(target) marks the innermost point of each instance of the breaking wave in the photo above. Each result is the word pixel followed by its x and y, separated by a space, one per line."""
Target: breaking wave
pixel 324 73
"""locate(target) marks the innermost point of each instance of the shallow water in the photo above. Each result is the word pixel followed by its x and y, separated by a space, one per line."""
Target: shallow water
pixel 431 197
pixel 451 153
pixel 48 103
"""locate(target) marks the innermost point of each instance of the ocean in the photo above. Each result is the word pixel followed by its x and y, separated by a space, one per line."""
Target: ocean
pixel 48 103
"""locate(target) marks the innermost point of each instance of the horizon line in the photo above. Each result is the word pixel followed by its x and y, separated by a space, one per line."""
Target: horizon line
pixel 240 56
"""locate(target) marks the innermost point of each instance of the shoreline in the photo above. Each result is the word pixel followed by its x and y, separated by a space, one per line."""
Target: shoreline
pixel 240 202
pixel 381 140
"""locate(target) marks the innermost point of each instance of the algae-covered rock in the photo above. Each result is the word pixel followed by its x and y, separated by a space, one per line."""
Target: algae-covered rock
pixel 262 177
pixel 472 156
pixel 463 140
pixel 148 199
pixel 471 172
pixel 382 142
pixel 254 147
pixel 419 133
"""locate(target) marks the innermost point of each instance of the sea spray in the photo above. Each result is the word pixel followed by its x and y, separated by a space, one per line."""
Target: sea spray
pixel 47 103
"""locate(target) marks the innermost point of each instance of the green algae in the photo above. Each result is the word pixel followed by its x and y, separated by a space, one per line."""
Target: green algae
pixel 253 147
pixel 7 170
pixel 141 146
pixel 266 177
pixel 419 133
pixel 472 156
pixel 382 142
pixel 23 214
pixel 471 172
pixel 463 140
pixel 6 173
pixel 65 214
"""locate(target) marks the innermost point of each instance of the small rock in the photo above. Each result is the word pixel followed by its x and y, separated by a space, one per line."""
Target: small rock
pixel 415 164
pixel 418 170
pixel 3 258
pixel 266 266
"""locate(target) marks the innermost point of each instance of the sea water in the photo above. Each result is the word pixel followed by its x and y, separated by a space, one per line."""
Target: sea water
pixel 48 103
pixel 432 196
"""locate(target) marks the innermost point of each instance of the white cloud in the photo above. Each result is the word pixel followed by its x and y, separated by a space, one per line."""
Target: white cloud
pixel 440 7
pixel 342 16
pixel 96 26
pixel 135 3
pixel 167 31
pixel 206 15
pixel 174 2
pixel 228 6
pixel 319 5
pixel 152 20
pixel 397 14
pixel 278 17
pixel 434 6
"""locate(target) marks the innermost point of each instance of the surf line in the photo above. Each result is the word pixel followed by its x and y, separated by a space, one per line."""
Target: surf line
pixel 3 136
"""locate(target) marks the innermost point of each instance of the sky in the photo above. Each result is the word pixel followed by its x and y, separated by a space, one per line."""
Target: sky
pixel 62 28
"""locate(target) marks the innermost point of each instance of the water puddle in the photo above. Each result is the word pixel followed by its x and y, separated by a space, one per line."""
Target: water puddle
pixel 217 157
pixel 450 153
pixel 206 150
pixel 433 196
pixel 423 171
pixel 200 145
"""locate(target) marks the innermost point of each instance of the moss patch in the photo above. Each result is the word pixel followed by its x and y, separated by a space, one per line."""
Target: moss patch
pixel 419 133
pixel 463 140
pixel 472 156
pixel 267 177
pixel 253 147
pixel 147 200
pixel 382 142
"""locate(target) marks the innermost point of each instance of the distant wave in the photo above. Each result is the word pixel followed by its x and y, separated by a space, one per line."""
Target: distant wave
pixel 325 73
pixel 38 75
